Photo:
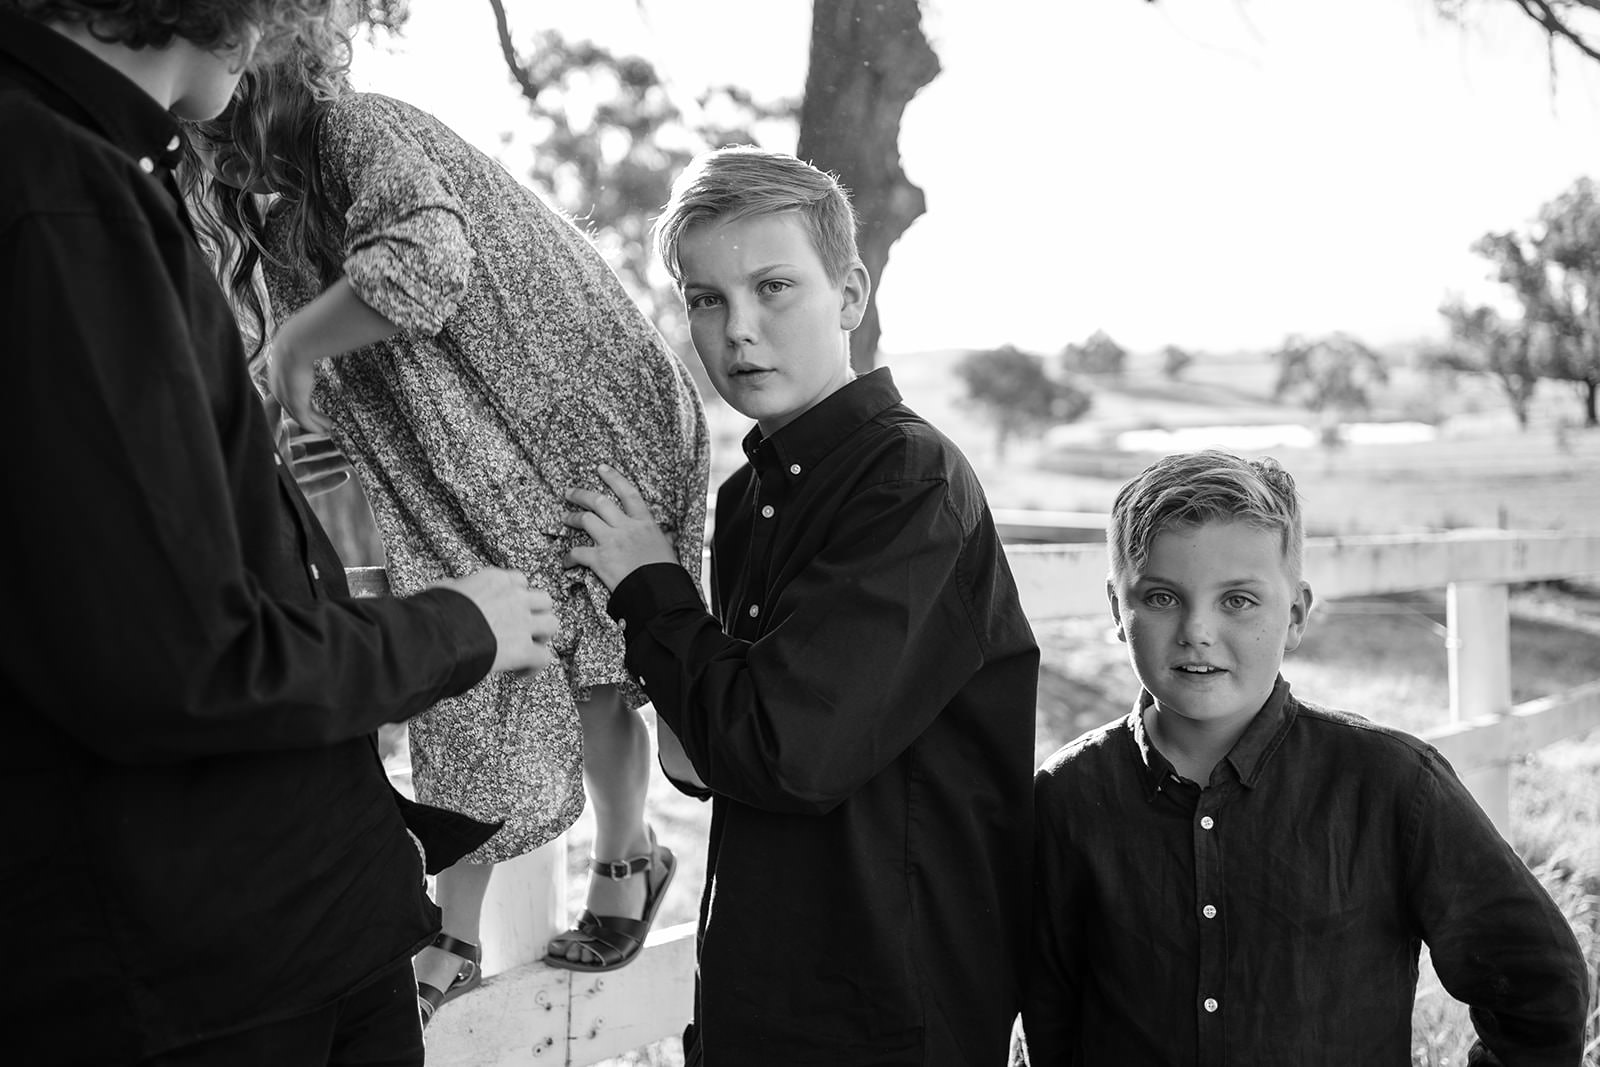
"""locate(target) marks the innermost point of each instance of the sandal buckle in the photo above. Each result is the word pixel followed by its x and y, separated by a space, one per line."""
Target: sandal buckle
pixel 616 870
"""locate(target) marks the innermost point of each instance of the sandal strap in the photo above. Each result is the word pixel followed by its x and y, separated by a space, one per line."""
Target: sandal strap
pixel 619 870
pixel 609 938
pixel 457 947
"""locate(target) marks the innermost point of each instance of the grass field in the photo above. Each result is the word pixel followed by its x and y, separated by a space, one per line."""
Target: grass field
pixel 1382 657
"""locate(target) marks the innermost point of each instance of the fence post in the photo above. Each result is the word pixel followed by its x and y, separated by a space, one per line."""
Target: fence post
pixel 526 902
pixel 1479 618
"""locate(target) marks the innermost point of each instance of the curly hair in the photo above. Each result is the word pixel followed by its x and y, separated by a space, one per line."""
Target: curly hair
pixel 213 25
pixel 269 131
pixel 1196 488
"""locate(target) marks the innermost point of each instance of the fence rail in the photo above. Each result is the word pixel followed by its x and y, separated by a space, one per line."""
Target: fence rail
pixel 532 1014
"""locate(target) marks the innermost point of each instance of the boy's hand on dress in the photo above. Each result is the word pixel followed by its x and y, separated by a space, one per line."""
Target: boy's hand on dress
pixel 625 534
pixel 521 618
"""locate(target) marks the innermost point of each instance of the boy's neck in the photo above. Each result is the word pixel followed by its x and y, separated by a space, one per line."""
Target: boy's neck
pixel 155 70
pixel 1193 748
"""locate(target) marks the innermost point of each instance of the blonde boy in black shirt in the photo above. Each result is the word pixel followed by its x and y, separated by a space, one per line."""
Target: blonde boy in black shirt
pixel 860 710
pixel 1231 875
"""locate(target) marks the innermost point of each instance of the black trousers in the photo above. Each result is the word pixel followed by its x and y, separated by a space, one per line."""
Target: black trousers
pixel 376 1026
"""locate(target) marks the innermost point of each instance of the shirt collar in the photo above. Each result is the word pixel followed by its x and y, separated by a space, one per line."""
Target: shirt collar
pixel 804 443
pixel 88 90
pixel 1248 756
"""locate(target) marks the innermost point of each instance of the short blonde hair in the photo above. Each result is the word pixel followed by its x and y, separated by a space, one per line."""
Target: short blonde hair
pixel 1195 488
pixel 742 180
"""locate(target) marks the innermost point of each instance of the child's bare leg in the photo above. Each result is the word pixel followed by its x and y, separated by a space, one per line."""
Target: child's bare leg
pixel 459 892
pixel 616 772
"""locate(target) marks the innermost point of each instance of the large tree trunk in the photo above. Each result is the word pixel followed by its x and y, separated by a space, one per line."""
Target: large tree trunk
pixel 868 59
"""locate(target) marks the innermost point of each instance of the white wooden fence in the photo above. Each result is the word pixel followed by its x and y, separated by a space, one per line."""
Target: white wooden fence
pixel 526 1013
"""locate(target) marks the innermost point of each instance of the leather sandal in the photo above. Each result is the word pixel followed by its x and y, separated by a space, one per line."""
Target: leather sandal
pixel 469 976
pixel 613 941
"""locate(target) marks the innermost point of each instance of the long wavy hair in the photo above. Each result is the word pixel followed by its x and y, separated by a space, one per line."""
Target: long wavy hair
pixel 267 139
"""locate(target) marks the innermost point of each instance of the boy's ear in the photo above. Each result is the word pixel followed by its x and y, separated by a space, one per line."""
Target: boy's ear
pixel 1299 615
pixel 1116 611
pixel 854 290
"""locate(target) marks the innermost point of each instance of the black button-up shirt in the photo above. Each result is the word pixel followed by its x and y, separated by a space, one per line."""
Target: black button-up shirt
pixel 863 718
pixel 203 838
pixel 1275 916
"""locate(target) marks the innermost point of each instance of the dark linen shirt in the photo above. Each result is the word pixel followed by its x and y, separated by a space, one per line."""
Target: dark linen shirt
pixel 1275 916
pixel 202 837
pixel 862 716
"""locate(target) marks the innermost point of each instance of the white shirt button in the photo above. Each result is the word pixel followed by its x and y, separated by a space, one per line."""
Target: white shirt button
pixel 1207 822
pixel 1209 911
pixel 147 165
pixel 1210 1004
pixel 315 574
pixel 754 610
pixel 172 145
pixel 794 468
pixel 277 459
pixel 768 511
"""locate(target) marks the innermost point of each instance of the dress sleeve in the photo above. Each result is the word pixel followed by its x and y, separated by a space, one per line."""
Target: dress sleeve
pixel 1498 942
pixel 863 649
pixel 1052 998
pixel 408 252
pixel 134 625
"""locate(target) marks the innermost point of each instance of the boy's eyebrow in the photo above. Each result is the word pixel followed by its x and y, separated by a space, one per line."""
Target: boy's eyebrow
pixel 757 272
pixel 1156 579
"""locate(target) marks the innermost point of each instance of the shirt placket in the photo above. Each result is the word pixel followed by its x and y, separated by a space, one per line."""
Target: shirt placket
pixel 1211 995
pixel 768 500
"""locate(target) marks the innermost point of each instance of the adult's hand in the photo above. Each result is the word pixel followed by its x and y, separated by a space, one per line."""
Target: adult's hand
pixel 521 618
pixel 625 534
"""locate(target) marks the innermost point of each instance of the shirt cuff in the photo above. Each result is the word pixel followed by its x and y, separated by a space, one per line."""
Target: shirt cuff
pixel 466 630
pixel 650 591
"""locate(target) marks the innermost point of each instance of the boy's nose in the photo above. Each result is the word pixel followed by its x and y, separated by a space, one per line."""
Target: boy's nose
pixel 740 326
pixel 1195 629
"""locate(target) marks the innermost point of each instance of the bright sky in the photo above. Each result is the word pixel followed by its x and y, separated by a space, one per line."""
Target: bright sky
pixel 1209 173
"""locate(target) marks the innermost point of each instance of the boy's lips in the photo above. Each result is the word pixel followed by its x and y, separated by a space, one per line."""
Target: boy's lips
pixel 1198 670
pixel 747 370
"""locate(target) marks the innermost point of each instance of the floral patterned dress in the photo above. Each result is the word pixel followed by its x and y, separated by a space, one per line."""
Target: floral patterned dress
pixel 520 365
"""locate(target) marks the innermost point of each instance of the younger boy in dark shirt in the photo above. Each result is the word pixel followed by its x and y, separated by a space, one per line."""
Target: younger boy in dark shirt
pixel 860 709
pixel 1231 875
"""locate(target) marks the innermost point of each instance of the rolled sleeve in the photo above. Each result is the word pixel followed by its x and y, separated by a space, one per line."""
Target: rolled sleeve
pixel 407 253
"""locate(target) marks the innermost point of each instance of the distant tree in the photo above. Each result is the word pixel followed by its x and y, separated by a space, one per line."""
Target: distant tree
pixel 1554 272
pixel 1333 376
pixel 612 138
pixel 1484 342
pixel 1174 361
pixel 1016 394
pixel 1098 354
pixel 868 58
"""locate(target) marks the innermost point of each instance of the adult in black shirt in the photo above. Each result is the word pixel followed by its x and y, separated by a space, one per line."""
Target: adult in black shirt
pixel 860 709
pixel 210 851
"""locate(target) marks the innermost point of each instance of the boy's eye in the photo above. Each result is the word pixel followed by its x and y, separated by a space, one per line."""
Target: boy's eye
pixel 1160 598
pixel 701 300
pixel 1237 602
pixel 773 286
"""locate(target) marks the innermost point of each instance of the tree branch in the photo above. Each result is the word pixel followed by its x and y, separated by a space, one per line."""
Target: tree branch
pixel 514 63
pixel 1542 12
